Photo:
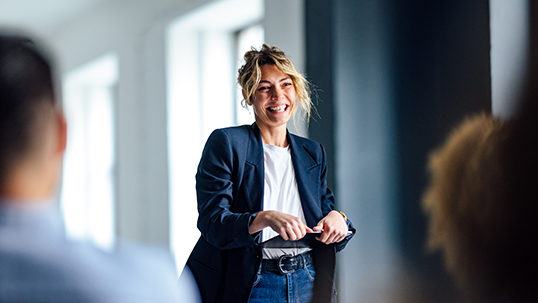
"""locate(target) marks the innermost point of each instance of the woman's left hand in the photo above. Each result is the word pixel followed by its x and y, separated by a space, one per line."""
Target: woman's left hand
pixel 334 228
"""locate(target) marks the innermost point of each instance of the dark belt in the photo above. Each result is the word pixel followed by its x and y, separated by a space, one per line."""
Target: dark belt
pixel 287 264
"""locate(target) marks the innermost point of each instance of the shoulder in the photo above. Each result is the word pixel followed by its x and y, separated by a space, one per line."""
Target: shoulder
pixel 130 275
pixel 230 138
pixel 132 272
pixel 231 133
pixel 241 129
pixel 32 248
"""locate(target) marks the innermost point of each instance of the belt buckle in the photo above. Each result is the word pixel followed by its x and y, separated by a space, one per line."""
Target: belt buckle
pixel 287 268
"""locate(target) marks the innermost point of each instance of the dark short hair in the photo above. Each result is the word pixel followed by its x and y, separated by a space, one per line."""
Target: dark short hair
pixel 26 86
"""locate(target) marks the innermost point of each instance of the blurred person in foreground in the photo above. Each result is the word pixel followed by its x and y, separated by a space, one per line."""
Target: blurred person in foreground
pixel 483 205
pixel 258 181
pixel 37 263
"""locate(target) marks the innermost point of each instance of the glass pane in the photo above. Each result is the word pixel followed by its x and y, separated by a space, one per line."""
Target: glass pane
pixel 87 196
pixel 201 74
pixel 246 39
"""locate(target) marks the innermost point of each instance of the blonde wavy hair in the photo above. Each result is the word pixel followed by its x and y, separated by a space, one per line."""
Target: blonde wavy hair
pixel 250 75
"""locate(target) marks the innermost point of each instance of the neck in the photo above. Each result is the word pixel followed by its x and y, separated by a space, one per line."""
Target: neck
pixel 29 182
pixel 277 136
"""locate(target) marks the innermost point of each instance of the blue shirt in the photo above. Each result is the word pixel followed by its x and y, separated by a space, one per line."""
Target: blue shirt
pixel 38 264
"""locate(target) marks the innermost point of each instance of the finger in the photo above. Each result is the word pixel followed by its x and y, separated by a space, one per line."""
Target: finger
pixel 330 239
pixel 290 236
pixel 304 229
pixel 301 232
pixel 333 236
pixel 328 235
pixel 321 223
pixel 320 226
pixel 284 234
pixel 293 233
pixel 337 238
pixel 324 237
pixel 342 236
pixel 317 228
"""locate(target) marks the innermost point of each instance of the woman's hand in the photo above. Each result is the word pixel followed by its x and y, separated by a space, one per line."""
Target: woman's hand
pixel 334 228
pixel 287 226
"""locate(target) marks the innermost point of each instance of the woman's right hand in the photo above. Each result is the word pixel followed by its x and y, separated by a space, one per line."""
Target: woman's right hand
pixel 287 226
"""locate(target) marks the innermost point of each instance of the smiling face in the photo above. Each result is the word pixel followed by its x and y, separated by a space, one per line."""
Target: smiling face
pixel 274 99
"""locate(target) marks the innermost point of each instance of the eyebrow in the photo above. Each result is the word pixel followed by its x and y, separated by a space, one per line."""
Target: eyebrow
pixel 283 79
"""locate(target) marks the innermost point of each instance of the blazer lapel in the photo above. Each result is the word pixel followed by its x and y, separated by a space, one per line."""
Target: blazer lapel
pixel 253 178
pixel 306 174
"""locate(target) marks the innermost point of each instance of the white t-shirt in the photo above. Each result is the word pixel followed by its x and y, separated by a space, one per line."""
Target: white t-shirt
pixel 281 194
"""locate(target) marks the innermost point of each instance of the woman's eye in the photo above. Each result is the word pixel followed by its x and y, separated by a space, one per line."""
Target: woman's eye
pixel 263 88
pixel 287 84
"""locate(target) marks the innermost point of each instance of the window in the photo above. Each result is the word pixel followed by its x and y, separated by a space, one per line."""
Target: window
pixel 201 71
pixel 87 196
pixel 509 44
pixel 246 38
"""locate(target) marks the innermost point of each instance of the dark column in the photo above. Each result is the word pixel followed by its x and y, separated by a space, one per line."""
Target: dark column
pixel 442 75
pixel 319 71
pixel 397 75
pixel 533 39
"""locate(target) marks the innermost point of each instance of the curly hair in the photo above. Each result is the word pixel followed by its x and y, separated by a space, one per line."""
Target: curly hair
pixel 250 75
pixel 484 227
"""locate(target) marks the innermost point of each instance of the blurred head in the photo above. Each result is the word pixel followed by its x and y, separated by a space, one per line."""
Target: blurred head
pixel 478 217
pixel 252 72
pixel 29 119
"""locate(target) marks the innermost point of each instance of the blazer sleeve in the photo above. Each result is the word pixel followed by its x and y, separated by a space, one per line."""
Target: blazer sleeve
pixel 327 201
pixel 217 170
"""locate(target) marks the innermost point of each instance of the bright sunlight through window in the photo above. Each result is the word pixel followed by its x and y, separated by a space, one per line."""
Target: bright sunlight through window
pixel 201 71
pixel 87 196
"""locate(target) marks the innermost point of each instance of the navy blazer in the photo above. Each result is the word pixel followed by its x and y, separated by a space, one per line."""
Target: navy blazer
pixel 229 186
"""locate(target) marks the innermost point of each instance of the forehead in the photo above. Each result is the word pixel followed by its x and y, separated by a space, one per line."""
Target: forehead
pixel 272 72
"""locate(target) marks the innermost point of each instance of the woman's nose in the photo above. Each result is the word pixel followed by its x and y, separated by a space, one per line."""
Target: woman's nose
pixel 277 93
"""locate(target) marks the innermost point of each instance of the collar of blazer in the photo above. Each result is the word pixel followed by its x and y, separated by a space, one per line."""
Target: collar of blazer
pixel 305 161
pixel 300 153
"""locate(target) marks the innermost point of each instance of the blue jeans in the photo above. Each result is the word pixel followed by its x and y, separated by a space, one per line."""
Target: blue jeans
pixel 277 288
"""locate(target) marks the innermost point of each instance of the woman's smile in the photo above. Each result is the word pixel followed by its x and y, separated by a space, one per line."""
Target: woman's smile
pixel 278 109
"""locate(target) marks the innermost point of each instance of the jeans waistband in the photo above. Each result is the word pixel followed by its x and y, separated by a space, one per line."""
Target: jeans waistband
pixel 287 264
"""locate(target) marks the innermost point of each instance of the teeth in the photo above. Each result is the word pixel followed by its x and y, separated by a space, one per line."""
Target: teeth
pixel 278 108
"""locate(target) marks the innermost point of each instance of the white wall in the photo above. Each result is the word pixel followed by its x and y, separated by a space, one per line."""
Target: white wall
pixel 136 31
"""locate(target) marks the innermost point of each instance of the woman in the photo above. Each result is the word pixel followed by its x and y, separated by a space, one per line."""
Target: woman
pixel 256 181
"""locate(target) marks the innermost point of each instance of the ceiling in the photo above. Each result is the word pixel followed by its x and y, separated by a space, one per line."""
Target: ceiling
pixel 43 16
